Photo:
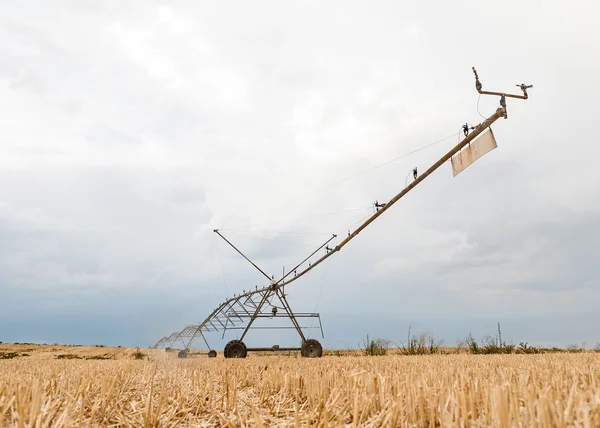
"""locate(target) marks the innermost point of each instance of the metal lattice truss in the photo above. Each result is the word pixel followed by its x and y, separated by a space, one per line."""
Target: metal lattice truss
pixel 239 313
pixel 161 343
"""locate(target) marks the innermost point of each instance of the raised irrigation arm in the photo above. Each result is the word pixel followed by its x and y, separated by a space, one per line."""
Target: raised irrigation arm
pixel 478 130
pixel 500 112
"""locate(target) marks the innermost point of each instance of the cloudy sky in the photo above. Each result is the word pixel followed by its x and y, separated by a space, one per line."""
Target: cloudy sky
pixel 129 130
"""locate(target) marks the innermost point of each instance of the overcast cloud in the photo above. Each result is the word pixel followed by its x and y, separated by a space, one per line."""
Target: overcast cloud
pixel 129 130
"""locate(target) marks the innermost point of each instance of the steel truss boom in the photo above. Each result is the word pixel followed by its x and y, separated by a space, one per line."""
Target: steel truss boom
pixel 239 312
pixel 500 112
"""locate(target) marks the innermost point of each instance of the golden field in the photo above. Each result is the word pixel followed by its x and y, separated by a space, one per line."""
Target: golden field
pixel 41 389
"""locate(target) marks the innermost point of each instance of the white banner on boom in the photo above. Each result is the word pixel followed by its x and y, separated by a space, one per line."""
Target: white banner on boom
pixel 482 145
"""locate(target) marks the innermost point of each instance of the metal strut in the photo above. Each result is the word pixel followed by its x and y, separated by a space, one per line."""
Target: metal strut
pixel 500 112
pixel 242 254
pixel 523 87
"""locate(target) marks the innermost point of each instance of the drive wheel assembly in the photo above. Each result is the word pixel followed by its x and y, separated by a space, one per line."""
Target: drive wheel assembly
pixel 311 349
pixel 235 349
pixel 212 353
pixel 182 354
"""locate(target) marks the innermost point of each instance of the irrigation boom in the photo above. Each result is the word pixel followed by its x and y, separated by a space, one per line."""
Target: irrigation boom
pixel 240 312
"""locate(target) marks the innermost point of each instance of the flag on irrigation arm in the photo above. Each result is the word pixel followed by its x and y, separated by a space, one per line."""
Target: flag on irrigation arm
pixel 476 149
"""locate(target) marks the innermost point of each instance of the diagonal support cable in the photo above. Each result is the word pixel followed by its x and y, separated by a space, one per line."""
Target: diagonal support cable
pixel 242 254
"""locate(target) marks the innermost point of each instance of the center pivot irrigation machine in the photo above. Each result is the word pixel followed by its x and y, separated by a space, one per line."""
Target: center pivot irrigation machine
pixel 240 312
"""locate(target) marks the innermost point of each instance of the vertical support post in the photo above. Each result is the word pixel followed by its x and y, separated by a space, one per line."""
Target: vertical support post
pixel 204 338
pixel 288 309
pixel 321 325
pixel 258 309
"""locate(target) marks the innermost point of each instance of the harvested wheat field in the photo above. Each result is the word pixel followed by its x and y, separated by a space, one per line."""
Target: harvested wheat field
pixel 440 390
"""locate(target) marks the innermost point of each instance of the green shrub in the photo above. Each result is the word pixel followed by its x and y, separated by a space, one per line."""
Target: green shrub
pixel 509 348
pixel 99 357
pixel 472 344
pixel 524 348
pixel 8 355
pixel 138 355
pixel 488 345
pixel 375 347
pixel 422 344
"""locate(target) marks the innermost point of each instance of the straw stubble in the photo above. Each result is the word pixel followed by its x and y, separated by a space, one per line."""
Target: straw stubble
pixel 438 390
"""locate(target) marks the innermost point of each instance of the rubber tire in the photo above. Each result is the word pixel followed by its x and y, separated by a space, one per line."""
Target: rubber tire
pixel 235 349
pixel 182 354
pixel 311 349
pixel 212 353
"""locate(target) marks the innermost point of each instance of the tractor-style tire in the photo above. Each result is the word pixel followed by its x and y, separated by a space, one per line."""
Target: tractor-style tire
pixel 235 349
pixel 311 349
pixel 212 353
pixel 182 354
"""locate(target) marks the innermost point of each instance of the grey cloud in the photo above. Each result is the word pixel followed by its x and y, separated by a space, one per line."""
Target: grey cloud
pixel 129 133
pixel 97 236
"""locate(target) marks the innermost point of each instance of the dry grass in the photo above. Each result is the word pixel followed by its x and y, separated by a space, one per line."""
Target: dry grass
pixel 439 390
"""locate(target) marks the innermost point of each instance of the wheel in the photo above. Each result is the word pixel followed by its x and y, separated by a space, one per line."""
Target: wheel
pixel 212 353
pixel 235 349
pixel 311 349
pixel 182 354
